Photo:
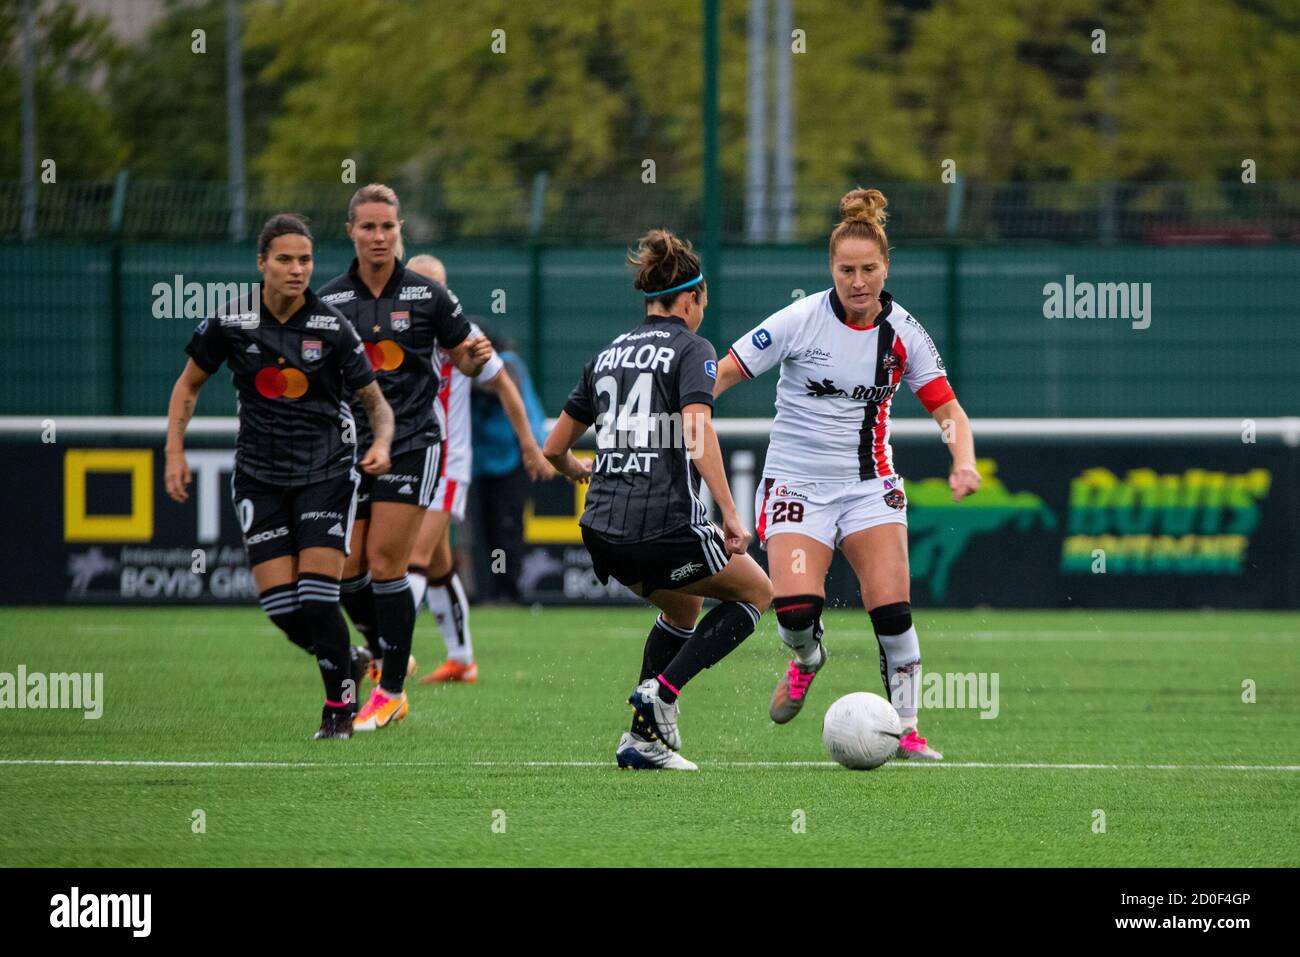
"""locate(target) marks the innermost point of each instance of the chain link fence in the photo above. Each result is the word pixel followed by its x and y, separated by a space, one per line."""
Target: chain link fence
pixel 168 211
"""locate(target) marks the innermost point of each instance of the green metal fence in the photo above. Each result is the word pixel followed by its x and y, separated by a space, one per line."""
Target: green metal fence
pixel 78 333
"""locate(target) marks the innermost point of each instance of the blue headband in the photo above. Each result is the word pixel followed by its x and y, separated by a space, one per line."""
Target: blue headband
pixel 678 288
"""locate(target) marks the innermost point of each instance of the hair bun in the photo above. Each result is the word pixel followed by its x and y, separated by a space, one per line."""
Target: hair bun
pixel 864 206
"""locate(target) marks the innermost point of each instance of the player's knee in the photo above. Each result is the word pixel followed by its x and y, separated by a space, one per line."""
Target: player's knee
pixel 798 612
pixel 760 594
pixel 386 563
pixel 892 619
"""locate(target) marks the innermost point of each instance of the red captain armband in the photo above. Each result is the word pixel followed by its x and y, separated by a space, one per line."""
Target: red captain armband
pixel 935 393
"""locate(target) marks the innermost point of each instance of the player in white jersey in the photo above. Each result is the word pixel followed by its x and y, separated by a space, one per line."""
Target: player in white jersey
pixel 432 571
pixel 829 479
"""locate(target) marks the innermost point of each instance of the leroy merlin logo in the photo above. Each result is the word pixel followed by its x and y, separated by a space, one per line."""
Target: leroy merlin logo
pixel 939 529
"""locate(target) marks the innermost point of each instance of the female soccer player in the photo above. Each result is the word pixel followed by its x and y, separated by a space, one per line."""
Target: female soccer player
pixel 829 478
pixel 650 395
pixel 293 360
pixel 432 573
pixel 403 318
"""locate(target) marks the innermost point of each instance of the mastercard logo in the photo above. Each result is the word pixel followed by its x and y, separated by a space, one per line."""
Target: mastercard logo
pixel 385 355
pixel 281 383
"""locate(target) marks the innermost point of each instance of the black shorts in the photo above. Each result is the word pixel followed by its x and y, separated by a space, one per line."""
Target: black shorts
pixel 278 521
pixel 411 481
pixel 674 561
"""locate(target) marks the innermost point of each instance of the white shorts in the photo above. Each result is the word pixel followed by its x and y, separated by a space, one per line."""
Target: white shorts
pixel 827 511
pixel 449 496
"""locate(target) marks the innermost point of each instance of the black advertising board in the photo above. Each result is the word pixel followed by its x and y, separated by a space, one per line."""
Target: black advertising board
pixel 1114 524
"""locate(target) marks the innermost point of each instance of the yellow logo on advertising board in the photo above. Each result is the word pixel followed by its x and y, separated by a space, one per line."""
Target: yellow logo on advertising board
pixel 557 529
pixel 137 526
pixel 1197 522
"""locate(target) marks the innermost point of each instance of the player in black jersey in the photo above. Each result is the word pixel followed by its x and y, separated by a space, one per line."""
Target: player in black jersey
pixel 293 360
pixel 650 396
pixel 402 317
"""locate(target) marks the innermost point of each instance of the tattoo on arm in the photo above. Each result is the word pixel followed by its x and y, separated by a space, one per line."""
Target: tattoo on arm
pixel 378 411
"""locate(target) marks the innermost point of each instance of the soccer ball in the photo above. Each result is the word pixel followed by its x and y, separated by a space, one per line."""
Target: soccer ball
pixel 861 731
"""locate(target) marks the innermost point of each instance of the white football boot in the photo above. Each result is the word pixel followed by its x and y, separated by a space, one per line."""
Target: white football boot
pixel 639 754
pixel 658 718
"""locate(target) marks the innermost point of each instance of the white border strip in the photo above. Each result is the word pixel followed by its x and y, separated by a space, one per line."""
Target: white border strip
pixel 1285 429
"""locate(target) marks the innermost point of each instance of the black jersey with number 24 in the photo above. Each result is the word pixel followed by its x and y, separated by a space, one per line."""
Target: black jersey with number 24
pixel 291 379
pixel 643 482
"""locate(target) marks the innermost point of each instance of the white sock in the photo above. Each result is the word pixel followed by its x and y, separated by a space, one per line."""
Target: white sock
pixel 418 584
pixel 451 614
pixel 902 666
pixel 804 644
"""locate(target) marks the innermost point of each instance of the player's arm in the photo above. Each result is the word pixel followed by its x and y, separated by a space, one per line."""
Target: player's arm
pixel 535 463
pixel 180 409
pixel 564 437
pixel 706 453
pixel 955 428
pixel 471 355
pixel 728 375
pixel 380 416
pixel 470 352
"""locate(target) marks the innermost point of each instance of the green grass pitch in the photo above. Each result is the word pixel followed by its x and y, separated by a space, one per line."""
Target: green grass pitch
pixel 1136 715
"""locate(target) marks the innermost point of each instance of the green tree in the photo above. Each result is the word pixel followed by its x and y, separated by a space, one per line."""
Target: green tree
pixel 170 103
pixel 73 124
pixel 1204 86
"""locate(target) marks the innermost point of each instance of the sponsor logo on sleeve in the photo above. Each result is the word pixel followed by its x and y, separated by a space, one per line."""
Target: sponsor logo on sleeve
pixel 761 339
pixel 202 327
pixel 711 369
pixel 347 295
pixel 243 320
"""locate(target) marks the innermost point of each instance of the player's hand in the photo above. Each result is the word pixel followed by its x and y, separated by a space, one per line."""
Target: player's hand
pixel 535 464
pixel 963 481
pixel 176 476
pixel 735 533
pixel 376 461
pixel 577 471
pixel 480 351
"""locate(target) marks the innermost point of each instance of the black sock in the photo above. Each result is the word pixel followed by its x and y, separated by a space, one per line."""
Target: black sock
pixel 319 598
pixel 359 601
pixel 718 634
pixel 281 605
pixel 395 616
pixel 661 646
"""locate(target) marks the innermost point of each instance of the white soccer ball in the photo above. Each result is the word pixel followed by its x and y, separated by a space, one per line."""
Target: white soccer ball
pixel 861 731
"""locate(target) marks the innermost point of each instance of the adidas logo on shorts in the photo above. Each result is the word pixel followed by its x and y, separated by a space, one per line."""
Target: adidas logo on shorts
pixel 406 490
pixel 337 530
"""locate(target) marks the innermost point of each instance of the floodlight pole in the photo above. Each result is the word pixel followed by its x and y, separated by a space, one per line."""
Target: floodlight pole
pixel 29 120
pixel 235 124
pixel 712 179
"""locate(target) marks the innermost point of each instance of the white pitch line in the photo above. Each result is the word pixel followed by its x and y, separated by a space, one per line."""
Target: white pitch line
pixel 1013 765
